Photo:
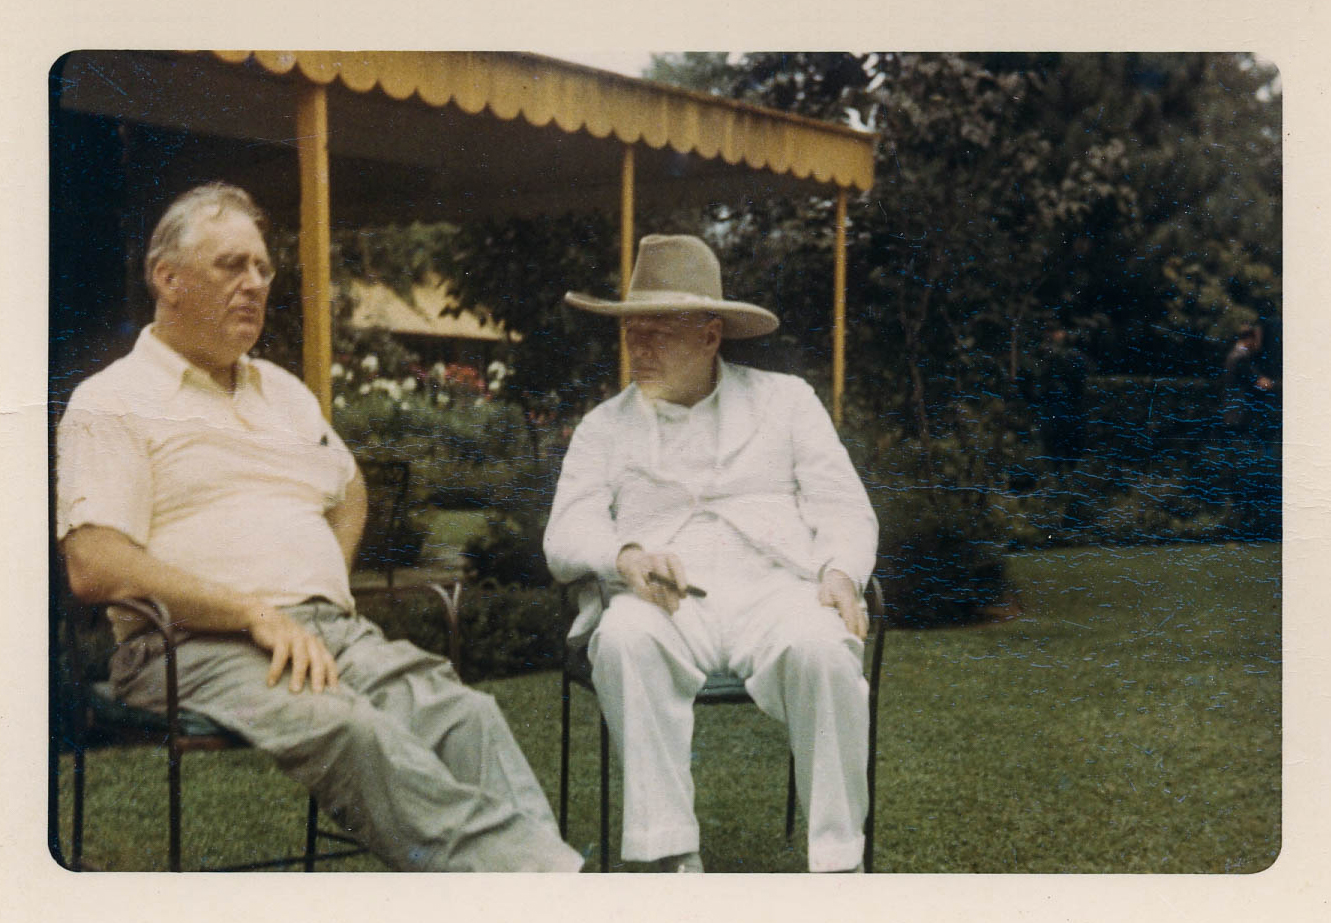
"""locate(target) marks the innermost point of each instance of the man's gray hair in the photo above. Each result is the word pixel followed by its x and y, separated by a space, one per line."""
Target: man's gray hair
pixel 208 201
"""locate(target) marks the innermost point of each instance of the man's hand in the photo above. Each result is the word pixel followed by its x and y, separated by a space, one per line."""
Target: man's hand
pixel 838 590
pixel 639 568
pixel 274 630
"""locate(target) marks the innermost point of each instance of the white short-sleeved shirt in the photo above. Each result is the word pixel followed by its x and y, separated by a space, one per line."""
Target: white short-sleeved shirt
pixel 231 486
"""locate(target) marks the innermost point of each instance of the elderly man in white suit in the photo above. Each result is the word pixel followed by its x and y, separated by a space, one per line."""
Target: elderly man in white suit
pixel 717 505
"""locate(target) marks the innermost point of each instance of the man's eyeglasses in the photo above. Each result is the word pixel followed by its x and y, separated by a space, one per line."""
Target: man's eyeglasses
pixel 239 264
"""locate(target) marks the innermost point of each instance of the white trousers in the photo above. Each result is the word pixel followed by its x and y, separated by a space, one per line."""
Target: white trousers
pixel 799 663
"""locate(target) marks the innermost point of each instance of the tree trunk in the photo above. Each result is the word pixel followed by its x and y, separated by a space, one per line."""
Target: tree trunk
pixel 911 324
pixel 1012 358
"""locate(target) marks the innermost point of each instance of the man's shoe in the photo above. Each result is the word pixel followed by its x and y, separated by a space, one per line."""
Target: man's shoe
pixel 686 862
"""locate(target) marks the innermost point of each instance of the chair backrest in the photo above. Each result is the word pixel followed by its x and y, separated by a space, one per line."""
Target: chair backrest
pixel 386 544
pixel 80 656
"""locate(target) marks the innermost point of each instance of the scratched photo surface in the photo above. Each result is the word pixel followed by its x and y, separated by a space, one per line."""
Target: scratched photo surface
pixel 1038 293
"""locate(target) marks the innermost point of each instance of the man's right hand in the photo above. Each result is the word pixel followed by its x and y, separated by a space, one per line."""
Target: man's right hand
pixel 273 630
pixel 638 568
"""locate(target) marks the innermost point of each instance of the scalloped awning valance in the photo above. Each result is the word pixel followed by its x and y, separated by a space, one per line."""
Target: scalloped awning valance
pixel 546 91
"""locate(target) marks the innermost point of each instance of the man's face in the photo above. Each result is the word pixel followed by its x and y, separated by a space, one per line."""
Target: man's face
pixel 671 355
pixel 215 289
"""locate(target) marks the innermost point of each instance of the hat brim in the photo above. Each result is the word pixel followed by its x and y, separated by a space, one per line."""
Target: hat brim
pixel 739 319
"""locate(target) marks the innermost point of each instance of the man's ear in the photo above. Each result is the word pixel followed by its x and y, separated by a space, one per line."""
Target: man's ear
pixel 165 280
pixel 714 332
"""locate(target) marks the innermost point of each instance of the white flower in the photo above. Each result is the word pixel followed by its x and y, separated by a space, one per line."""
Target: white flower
pixel 442 399
pixel 336 371
pixel 364 389
pixel 496 373
pixel 370 363
pixel 408 384
pixel 340 401
pixel 439 371
pixel 394 390
pixel 404 406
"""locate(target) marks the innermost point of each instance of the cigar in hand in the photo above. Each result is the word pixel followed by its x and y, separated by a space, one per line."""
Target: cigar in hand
pixel 691 590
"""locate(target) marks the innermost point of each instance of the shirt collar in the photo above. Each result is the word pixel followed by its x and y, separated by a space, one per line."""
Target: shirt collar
pixel 168 370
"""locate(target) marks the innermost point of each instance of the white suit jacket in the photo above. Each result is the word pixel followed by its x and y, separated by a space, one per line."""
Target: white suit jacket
pixel 782 479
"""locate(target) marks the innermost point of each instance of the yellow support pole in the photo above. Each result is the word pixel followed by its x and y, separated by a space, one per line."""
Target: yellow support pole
pixel 839 310
pixel 625 254
pixel 315 242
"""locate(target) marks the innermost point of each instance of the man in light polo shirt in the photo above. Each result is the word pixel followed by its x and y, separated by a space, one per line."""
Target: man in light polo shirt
pixel 190 473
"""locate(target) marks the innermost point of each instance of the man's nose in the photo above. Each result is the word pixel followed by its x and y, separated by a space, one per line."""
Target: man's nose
pixel 253 277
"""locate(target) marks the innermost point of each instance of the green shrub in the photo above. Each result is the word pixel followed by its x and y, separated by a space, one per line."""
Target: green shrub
pixel 937 563
pixel 505 629
pixel 413 614
pixel 940 544
pixel 1084 507
pixel 510 629
pixel 510 551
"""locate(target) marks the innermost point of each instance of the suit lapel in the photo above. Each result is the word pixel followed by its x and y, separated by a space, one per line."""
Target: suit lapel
pixel 739 408
pixel 640 428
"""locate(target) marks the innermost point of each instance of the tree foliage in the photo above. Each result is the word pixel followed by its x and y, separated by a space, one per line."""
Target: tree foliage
pixel 1131 197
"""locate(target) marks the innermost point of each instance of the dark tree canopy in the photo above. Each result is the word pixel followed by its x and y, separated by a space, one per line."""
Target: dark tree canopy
pixel 1133 198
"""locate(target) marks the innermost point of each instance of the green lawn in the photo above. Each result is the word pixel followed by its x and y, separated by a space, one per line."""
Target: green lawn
pixel 1129 721
pixel 448 531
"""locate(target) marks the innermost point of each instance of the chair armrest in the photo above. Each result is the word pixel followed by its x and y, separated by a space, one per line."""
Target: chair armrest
pixel 873 598
pixel 159 617
pixel 451 602
pixel 569 592
pixel 152 610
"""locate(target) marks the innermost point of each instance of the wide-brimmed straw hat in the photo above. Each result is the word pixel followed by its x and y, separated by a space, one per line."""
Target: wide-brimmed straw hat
pixel 677 272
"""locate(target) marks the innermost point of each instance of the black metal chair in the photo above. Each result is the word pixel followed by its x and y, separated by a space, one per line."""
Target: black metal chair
pixel 384 540
pixel 96 719
pixel 719 689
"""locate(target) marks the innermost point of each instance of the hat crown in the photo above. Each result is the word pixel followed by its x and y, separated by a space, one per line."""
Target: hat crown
pixel 675 263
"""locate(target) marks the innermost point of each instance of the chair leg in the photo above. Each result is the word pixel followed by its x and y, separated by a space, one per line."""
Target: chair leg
pixel 605 795
pixel 311 834
pixel 563 758
pixel 873 775
pixel 790 799
pixel 173 798
pixel 77 845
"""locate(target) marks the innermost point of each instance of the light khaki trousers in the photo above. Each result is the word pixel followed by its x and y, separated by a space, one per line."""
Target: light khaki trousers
pixel 801 666
pixel 421 769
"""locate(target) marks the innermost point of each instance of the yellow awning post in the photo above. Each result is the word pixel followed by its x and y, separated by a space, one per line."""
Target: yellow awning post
pixel 625 254
pixel 315 242
pixel 839 308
